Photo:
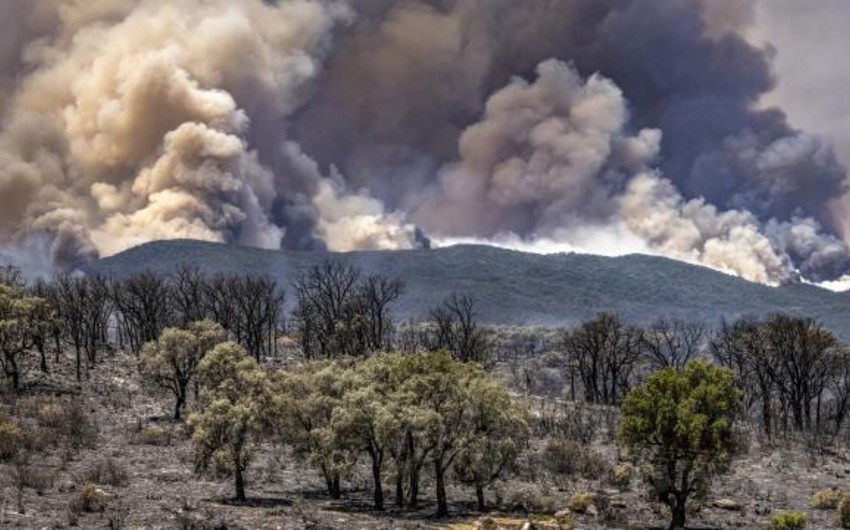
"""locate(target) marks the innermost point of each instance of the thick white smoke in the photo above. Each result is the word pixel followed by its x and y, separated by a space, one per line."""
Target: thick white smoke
pixel 126 121
pixel 551 158
pixel 133 121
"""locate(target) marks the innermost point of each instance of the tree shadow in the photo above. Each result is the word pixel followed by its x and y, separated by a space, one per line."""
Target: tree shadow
pixel 254 502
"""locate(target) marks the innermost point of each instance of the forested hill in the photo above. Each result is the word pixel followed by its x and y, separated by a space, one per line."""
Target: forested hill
pixel 519 288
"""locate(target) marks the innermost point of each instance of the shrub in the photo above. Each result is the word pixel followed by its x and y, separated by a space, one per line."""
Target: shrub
pixel 88 499
pixel 153 435
pixel 844 511
pixel 531 499
pixel 36 478
pixel 107 472
pixel 595 466
pixel 580 502
pixel 12 439
pixel 621 476
pixel 788 521
pixel 827 499
pixel 70 425
pixel 562 457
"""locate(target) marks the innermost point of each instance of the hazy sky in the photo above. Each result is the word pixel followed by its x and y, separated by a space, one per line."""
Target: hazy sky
pixel 812 39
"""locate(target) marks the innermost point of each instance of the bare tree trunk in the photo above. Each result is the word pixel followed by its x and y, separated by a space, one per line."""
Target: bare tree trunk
pixel 442 503
pixel 240 483
pixel 479 496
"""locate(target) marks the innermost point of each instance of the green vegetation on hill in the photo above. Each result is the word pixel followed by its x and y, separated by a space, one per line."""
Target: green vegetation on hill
pixel 516 288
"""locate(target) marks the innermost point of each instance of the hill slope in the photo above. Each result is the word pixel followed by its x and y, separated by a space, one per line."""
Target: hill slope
pixel 519 288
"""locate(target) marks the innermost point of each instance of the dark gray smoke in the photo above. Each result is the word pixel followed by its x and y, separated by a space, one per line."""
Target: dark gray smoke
pixel 403 86
pixel 335 124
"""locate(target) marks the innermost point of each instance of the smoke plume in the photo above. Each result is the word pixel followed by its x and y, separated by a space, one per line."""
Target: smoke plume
pixel 136 120
pixel 343 125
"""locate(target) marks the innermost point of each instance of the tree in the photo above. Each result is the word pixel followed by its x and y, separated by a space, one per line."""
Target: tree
pixel 498 432
pixel 145 306
pixel 189 294
pixel 455 329
pixel 680 424
pixel 84 308
pixel 170 363
pixel 604 352
pixel 375 294
pixel 21 320
pixel 339 312
pixel 305 400
pixel 672 343
pixel 441 398
pixel 791 366
pixel 234 413
pixel 803 355
pixel 367 418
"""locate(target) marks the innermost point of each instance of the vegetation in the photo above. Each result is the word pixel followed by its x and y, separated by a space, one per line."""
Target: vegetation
pixel 844 511
pixel 403 409
pixel 235 405
pixel 171 361
pixel 603 353
pixel 788 521
pixel 22 318
pixel 416 410
pixel 827 499
pixel 680 425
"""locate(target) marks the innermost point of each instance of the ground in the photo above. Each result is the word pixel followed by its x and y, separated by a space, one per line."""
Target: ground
pixel 142 464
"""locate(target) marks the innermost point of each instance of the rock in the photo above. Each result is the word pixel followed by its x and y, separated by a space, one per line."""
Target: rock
pixel 563 513
pixel 592 510
pixel 727 504
pixel 528 525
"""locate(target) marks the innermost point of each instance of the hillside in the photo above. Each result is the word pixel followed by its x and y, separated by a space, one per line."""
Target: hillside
pixel 515 288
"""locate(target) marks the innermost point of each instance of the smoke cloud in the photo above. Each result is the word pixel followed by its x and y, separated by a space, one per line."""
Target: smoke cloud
pixel 135 120
pixel 358 124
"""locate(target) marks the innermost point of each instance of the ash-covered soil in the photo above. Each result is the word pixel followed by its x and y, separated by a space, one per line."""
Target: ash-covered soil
pixel 139 463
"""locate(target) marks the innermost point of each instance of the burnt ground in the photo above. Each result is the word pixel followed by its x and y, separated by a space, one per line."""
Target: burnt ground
pixel 146 478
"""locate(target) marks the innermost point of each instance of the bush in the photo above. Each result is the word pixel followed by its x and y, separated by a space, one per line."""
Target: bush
pixel 153 435
pixel 844 511
pixel 621 476
pixel 531 499
pixel 36 478
pixel 580 502
pixel 12 439
pixel 107 472
pixel 827 499
pixel 563 457
pixel 788 521
pixel 70 425
pixel 88 499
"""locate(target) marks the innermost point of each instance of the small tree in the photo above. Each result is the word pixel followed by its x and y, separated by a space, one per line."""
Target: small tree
pixel 236 401
pixel 455 328
pixel 22 319
pixel 367 419
pixel 170 362
pixel 603 352
pixel 680 423
pixel 498 432
pixel 305 399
